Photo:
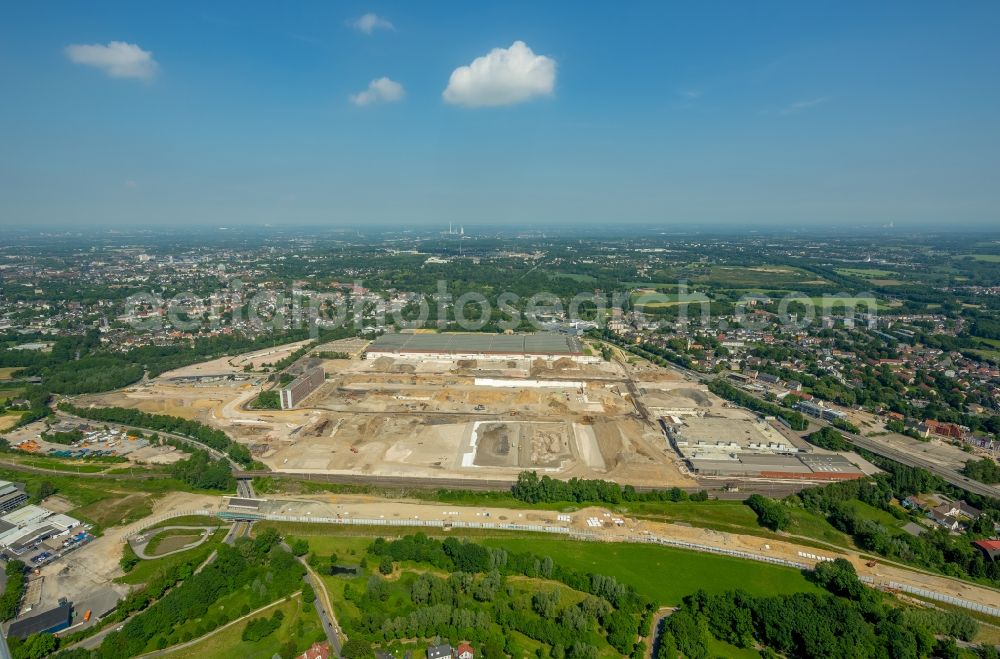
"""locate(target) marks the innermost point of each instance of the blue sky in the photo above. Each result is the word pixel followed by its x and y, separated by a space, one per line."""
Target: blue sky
pixel 804 114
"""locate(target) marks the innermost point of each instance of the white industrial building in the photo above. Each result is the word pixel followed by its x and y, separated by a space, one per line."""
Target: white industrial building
pixel 23 529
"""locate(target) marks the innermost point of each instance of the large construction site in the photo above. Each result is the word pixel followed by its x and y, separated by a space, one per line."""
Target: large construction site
pixel 459 412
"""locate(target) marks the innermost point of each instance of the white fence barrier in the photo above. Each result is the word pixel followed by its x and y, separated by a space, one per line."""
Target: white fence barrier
pixel 932 595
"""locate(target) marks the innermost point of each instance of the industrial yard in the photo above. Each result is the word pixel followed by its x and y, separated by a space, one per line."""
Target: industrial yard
pixel 387 411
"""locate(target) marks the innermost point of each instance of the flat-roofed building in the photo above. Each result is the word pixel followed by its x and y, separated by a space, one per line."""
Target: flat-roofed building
pixel 11 496
pixel 473 345
pixel 50 621
pixel 299 388
pixel 26 515
pixel 23 539
pixel 26 528
pixel 744 448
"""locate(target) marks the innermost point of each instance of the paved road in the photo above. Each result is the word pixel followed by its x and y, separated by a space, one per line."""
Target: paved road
pixel 205 532
pixel 655 629
pixel 329 620
pixel 945 473
pixel 330 626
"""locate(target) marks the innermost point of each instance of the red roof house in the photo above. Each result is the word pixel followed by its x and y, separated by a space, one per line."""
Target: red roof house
pixel 989 547
pixel 317 651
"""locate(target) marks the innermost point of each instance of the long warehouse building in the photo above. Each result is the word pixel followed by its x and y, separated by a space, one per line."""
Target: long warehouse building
pixel 473 345
pixel 299 388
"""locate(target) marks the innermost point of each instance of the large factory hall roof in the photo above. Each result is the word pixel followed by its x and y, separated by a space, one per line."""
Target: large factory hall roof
pixel 541 343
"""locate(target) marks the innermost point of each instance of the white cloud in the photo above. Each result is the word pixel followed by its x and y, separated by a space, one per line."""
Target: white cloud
pixel 504 76
pixel 371 22
pixel 117 59
pixel 799 106
pixel 381 90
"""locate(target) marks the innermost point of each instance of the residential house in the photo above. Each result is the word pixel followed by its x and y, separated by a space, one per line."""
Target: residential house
pixel 317 651
pixel 947 521
pixel 958 509
pixel 444 651
pixel 990 548
pixel 465 651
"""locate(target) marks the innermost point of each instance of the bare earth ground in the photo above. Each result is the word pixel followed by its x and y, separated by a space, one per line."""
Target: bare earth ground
pixel 418 418
pixel 89 571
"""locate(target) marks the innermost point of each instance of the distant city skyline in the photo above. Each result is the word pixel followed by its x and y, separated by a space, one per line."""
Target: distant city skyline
pixel 712 115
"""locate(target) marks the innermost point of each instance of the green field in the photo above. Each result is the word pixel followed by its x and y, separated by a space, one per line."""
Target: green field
pixel 866 273
pixel 865 511
pixel 575 277
pixel 666 575
pixel 78 466
pixel 101 501
pixel 861 303
pixel 117 511
pixel 190 520
pixel 661 573
pixel 649 284
pixel 7 372
pixel 10 391
pixel 736 517
pixel 301 627
pixel 989 258
pixel 717 648
pixel 778 276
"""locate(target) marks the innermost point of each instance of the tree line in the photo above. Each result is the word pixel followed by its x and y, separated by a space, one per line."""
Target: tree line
pixel 532 489
pixel 206 435
pixel 723 389
pixel 10 601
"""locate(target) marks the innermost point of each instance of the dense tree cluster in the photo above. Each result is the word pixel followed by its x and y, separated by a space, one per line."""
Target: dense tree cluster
pixel 267 400
pixel 202 472
pixel 36 646
pixel 68 437
pixel 38 403
pixel 850 622
pixel 935 548
pixel 478 602
pixel 770 513
pixel 164 423
pixel 845 425
pixel 984 470
pixel 828 438
pixel 258 628
pixel 10 601
pixel 532 489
